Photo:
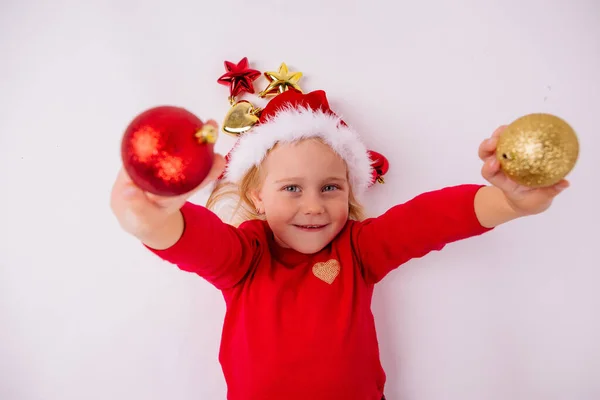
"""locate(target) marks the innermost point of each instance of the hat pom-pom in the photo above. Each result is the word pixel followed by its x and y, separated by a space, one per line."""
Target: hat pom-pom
pixel 380 166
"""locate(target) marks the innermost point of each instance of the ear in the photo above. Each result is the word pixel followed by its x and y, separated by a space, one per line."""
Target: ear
pixel 256 198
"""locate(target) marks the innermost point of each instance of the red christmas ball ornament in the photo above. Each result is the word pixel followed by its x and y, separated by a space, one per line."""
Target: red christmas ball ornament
pixel 168 151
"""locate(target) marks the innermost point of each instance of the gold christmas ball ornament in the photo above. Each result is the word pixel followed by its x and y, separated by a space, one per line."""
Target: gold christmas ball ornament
pixel 537 150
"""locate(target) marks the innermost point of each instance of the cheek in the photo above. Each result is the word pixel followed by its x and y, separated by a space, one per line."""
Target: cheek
pixel 278 206
pixel 339 208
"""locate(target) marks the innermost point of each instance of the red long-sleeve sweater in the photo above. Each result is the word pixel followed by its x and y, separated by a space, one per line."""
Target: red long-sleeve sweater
pixel 298 326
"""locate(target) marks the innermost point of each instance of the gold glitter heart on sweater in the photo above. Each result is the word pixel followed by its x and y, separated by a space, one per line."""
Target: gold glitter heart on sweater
pixel 327 271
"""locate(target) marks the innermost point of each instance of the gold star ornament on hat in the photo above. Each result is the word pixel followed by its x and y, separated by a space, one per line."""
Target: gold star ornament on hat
pixel 280 81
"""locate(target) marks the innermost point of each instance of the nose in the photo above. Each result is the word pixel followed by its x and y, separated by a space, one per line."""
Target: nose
pixel 313 204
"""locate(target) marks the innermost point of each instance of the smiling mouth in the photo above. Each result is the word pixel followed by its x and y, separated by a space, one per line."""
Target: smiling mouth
pixel 310 228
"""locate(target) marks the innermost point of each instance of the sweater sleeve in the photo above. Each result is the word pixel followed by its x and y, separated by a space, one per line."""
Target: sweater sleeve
pixel 411 230
pixel 220 253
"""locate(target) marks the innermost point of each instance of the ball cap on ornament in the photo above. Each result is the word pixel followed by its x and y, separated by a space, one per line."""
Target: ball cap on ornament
pixel 292 115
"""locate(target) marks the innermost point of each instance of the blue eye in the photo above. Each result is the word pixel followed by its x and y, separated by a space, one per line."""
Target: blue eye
pixel 291 188
pixel 329 188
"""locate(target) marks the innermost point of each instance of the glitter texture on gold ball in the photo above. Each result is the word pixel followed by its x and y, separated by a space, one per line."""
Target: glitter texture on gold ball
pixel 537 150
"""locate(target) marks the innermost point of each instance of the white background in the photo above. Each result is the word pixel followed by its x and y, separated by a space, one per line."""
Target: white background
pixel 87 313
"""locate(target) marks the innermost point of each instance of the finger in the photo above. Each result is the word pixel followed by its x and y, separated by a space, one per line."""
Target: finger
pixel 126 193
pixel 134 211
pixel 487 148
pixel 122 188
pixel 213 123
pixel 218 167
pixel 490 168
pixel 122 180
pixel 135 200
pixel 492 173
pixel 499 131
pixel 125 189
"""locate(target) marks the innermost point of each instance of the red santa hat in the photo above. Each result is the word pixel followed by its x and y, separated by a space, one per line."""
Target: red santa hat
pixel 291 116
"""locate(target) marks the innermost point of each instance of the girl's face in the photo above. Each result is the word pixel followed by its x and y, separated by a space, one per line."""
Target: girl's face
pixel 304 195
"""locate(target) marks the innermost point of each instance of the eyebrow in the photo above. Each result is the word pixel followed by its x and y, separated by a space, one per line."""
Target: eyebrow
pixel 297 178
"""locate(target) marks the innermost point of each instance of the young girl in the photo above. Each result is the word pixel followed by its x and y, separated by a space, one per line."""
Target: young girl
pixel 298 272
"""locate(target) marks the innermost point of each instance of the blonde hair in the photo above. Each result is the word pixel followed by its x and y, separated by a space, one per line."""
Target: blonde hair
pixel 242 208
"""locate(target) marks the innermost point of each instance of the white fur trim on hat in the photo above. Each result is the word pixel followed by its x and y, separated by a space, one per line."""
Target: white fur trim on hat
pixel 292 124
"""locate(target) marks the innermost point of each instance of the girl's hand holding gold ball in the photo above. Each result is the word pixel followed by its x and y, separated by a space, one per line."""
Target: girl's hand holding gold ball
pixel 528 161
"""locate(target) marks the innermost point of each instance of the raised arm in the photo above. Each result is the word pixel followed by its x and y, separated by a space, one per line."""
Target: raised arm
pixel 188 235
pixel 426 223
pixel 218 252
pixel 431 220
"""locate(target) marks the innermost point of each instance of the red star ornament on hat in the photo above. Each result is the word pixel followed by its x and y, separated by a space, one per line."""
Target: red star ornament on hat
pixel 239 77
